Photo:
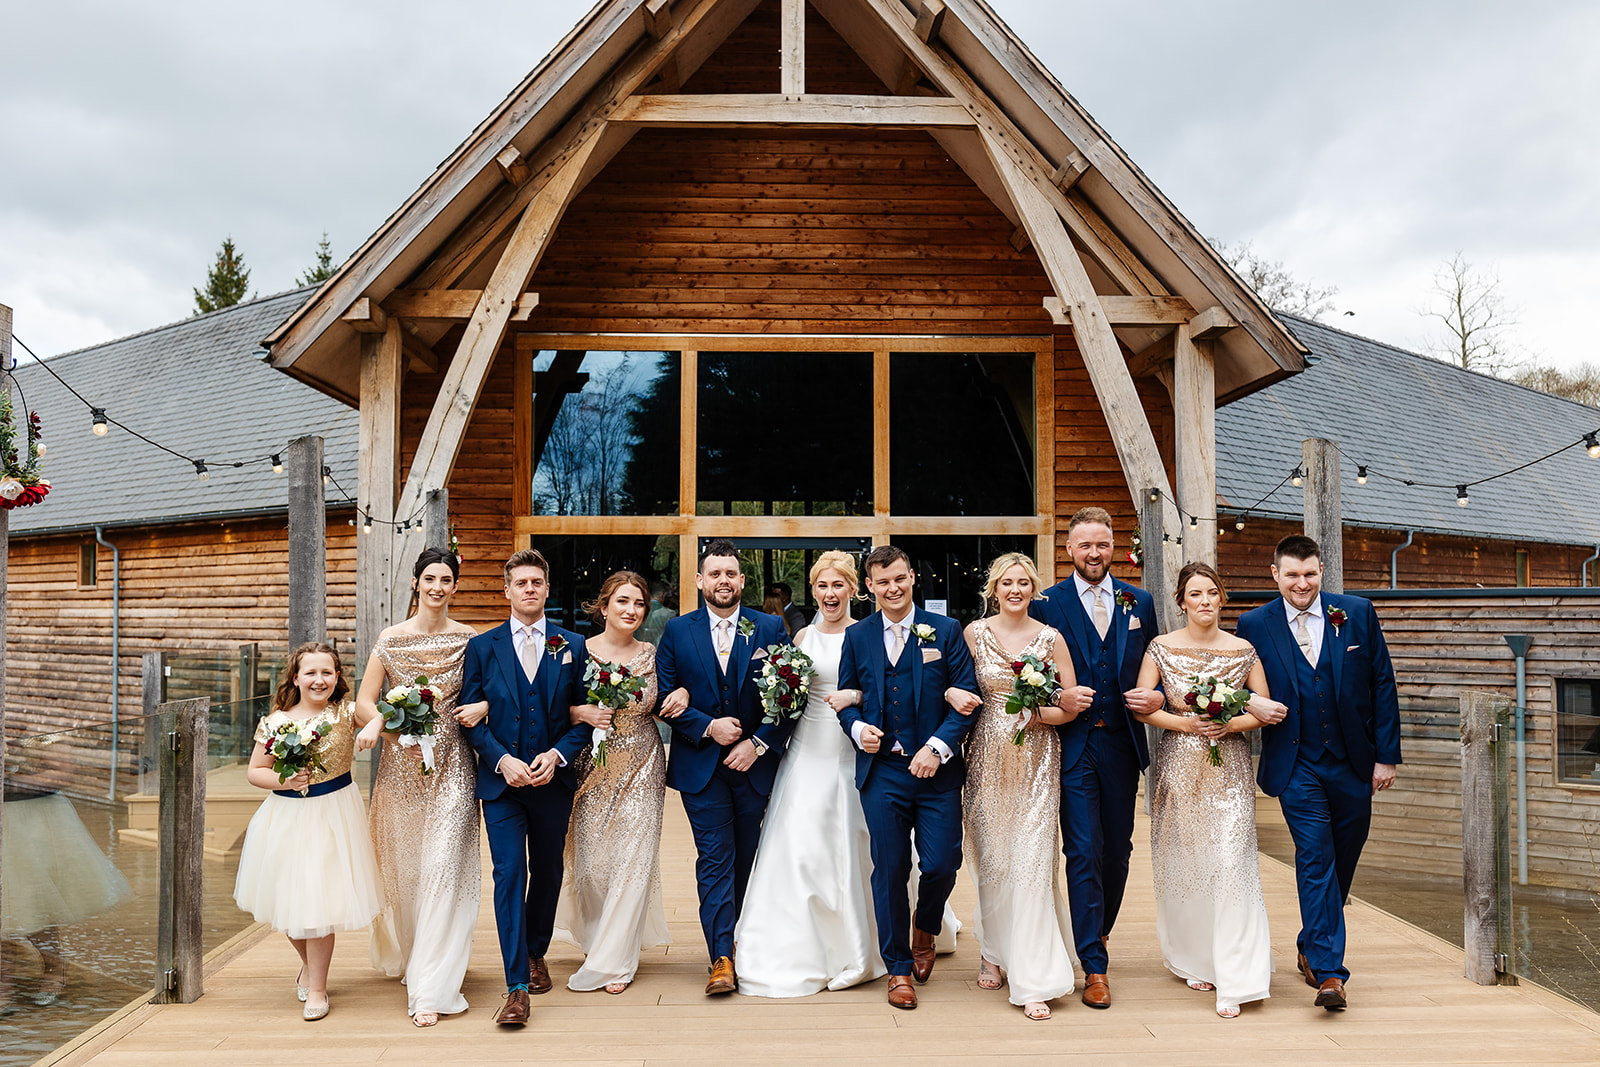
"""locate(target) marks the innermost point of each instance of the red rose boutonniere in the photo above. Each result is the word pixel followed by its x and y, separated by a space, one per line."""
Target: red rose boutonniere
pixel 555 646
pixel 1126 601
pixel 1338 618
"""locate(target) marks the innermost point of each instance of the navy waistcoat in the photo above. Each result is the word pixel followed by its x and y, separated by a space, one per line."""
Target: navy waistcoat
pixel 1319 720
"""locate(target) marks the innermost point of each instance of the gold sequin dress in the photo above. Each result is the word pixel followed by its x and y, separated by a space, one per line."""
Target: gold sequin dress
pixel 1210 915
pixel 307 866
pixel 1012 842
pixel 425 830
pixel 610 903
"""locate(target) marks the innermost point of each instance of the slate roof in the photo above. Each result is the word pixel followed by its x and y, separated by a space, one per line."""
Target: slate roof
pixel 196 386
pixel 1416 418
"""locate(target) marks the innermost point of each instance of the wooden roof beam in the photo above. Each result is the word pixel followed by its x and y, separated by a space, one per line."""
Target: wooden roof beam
pixel 792 50
pixel 1129 310
pixel 1210 323
pixel 1070 171
pixel 817 111
pixel 658 18
pixel 930 20
pixel 366 316
pixel 450 304
pixel 512 166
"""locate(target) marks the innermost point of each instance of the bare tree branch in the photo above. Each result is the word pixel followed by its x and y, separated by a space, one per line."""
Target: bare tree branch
pixel 1474 318
pixel 1272 282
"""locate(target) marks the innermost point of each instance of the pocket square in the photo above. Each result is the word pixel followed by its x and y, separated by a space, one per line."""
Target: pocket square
pixel 1352 648
pixel 1135 624
pixel 759 653
pixel 566 658
pixel 931 654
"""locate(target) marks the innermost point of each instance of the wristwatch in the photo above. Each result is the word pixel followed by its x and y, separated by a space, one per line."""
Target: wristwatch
pixel 1056 694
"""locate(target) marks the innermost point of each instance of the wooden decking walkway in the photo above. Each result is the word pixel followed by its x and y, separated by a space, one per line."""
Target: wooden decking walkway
pixel 1410 1005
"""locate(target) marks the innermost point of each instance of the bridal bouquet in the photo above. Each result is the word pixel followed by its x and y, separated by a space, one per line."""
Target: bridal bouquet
pixel 289 743
pixel 1036 680
pixel 611 685
pixel 408 709
pixel 1215 701
pixel 783 683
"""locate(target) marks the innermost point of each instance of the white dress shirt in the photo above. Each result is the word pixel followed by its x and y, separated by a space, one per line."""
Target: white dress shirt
pixel 1315 621
pixel 941 749
pixel 1106 590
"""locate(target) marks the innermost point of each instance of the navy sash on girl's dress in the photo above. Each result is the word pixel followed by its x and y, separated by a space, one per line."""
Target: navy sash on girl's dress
pixel 332 785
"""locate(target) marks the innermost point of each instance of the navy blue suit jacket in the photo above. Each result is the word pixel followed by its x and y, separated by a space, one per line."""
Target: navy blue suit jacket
pixel 935 666
pixel 491 672
pixel 1365 697
pixel 1131 630
pixel 685 658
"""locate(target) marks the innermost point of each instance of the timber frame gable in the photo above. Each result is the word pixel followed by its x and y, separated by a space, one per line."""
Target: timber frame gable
pixel 1143 293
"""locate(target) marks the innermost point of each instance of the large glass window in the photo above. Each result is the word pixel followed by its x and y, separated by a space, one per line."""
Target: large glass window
pixel 578 566
pixel 1578 730
pixel 951 570
pixel 785 433
pixel 962 434
pixel 605 433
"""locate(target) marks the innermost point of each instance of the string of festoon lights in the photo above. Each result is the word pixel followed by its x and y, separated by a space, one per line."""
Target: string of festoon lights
pixel 100 423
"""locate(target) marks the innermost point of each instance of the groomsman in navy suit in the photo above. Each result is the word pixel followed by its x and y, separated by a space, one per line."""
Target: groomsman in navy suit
pixel 723 756
pixel 915 697
pixel 531 673
pixel 1106 624
pixel 1325 659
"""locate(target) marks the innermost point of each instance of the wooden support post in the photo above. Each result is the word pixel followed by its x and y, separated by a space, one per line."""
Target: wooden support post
pixel 308 536
pixel 382 369
pixel 185 728
pixel 1194 409
pixel 436 520
pixel 1156 577
pixel 792 52
pixel 5 546
pixel 1485 837
pixel 153 690
pixel 1324 515
pixel 447 424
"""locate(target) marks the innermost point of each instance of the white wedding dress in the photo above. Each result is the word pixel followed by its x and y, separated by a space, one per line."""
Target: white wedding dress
pixel 807 923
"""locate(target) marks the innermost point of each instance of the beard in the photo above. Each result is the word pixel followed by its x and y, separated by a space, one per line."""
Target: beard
pixel 1092 573
pixel 722 598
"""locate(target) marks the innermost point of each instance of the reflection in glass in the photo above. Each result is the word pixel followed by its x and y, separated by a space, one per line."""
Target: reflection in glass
pixel 766 562
pixel 578 566
pixel 785 433
pixel 961 432
pixel 1578 729
pixel 605 433
pixel 952 569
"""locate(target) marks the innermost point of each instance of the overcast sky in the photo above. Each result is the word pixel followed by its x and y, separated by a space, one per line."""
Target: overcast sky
pixel 1361 143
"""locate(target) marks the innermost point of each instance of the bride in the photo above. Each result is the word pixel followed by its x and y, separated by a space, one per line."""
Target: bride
pixel 807 923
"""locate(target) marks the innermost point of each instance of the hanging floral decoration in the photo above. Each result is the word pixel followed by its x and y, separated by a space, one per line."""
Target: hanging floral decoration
pixel 1136 549
pixel 20 484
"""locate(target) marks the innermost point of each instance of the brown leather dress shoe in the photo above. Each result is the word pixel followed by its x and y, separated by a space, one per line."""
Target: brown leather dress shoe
pixel 922 954
pixel 723 980
pixel 902 994
pixel 1096 991
pixel 1305 970
pixel 1330 994
pixel 514 1012
pixel 538 976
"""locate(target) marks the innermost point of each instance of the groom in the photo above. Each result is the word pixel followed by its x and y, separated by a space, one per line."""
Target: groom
pixel 723 757
pixel 1106 625
pixel 1325 658
pixel 916 692
pixel 530 671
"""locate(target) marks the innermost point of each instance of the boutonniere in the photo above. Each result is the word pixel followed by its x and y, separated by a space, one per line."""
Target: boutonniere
pixel 555 646
pixel 923 633
pixel 746 627
pixel 1337 617
pixel 1126 601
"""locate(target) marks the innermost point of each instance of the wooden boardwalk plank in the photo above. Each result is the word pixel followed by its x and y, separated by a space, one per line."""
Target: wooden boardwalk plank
pixel 1410 1006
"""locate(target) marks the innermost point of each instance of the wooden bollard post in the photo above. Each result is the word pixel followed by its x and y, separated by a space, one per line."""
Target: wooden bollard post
pixel 1324 509
pixel 1485 831
pixel 308 537
pixel 185 731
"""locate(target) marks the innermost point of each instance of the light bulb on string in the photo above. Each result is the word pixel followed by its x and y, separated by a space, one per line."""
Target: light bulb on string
pixel 1194 522
pixel 1239 525
pixel 1593 445
pixel 1361 476
pixel 327 474
pixel 1462 500
pixel 277 463
pixel 366 526
pixel 99 416
pixel 1297 478
pixel 200 470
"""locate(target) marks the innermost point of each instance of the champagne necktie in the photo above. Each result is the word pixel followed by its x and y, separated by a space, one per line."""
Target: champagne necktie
pixel 1302 636
pixel 724 642
pixel 530 652
pixel 898 631
pixel 1102 617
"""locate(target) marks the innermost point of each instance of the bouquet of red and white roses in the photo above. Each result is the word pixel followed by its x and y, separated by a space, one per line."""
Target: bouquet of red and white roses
pixel 290 744
pixel 784 682
pixel 1036 680
pixel 610 685
pixel 408 709
pixel 1215 701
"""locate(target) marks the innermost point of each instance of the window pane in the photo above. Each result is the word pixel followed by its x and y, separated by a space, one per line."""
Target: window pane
pixel 961 434
pixel 953 569
pixel 785 433
pixel 578 566
pixel 1578 729
pixel 605 433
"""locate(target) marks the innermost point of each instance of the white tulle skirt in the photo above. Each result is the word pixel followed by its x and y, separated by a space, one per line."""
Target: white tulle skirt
pixel 55 875
pixel 308 867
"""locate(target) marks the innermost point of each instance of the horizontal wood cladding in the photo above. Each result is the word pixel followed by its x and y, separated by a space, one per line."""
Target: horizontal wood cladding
pixel 194 588
pixel 759 231
pixel 1432 561
pixel 747 62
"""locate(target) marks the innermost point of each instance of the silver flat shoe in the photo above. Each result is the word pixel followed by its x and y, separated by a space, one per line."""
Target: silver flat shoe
pixel 300 991
pixel 311 1014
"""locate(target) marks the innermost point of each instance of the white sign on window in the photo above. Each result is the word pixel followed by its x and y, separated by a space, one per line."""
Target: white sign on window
pixel 936 607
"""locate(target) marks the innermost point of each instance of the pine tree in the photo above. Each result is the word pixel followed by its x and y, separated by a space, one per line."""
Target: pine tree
pixel 324 268
pixel 226 281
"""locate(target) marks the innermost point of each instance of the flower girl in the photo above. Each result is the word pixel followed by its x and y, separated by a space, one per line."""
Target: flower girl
pixel 308 866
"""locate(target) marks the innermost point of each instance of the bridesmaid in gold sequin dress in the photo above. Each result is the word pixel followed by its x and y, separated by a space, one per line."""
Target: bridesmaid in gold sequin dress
pixel 611 901
pixel 425 827
pixel 1210 915
pixel 1011 801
